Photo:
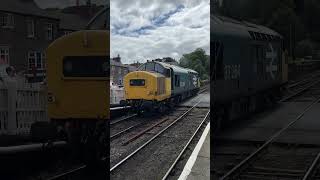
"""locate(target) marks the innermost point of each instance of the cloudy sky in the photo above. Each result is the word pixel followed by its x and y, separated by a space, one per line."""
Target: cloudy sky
pixel 149 29
pixel 64 3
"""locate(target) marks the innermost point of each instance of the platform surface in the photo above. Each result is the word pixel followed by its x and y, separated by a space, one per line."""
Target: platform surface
pixel 201 168
pixel 198 164
pixel 261 127
pixel 204 99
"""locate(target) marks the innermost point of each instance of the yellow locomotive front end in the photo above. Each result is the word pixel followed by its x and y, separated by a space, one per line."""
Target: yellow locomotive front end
pixel 143 88
pixel 78 93
pixel 78 76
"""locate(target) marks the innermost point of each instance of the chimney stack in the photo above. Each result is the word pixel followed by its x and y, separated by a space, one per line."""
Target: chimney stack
pixel 89 3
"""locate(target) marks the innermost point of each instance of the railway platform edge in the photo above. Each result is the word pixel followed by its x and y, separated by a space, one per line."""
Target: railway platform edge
pixel 198 164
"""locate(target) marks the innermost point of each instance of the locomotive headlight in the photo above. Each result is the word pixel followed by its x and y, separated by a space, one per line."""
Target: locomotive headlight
pixel 51 97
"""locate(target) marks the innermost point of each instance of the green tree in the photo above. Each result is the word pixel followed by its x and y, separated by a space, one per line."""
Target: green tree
pixel 198 61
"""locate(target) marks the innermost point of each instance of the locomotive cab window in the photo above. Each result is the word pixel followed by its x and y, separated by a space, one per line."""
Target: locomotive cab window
pixel 177 80
pixel 137 82
pixel 168 72
pixel 86 66
pixel 142 67
pixel 155 67
pixel 150 67
pixel 217 65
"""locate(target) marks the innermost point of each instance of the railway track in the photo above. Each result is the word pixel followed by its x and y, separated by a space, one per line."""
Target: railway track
pixel 126 118
pixel 162 148
pixel 313 171
pixel 270 159
pixel 301 86
pixel 304 79
pixel 69 173
pixel 126 125
pixel 131 122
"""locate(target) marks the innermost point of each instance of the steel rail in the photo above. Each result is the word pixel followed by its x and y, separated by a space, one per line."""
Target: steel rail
pixel 125 130
pixel 154 137
pixel 299 92
pixel 62 175
pixel 247 160
pixel 185 148
pixel 302 82
pixel 311 170
pixel 306 78
pixel 123 119
pixel 203 90
pixel 136 136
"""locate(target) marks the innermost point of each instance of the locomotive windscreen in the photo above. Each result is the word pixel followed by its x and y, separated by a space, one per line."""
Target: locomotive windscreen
pixel 155 67
pixel 137 82
pixel 86 66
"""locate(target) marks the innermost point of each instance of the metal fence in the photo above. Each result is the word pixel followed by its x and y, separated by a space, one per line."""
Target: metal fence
pixel 21 104
pixel 116 95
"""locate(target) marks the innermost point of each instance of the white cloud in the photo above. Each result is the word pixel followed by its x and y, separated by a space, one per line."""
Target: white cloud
pixel 182 32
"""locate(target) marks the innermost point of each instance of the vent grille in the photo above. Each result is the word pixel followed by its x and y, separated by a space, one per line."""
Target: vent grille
pixel 161 86
pixel 263 37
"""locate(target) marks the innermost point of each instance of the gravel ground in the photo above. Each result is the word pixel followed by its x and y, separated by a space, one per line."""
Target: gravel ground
pixel 227 154
pixel 153 161
pixel 118 151
pixel 177 170
pixel 115 128
pixel 283 162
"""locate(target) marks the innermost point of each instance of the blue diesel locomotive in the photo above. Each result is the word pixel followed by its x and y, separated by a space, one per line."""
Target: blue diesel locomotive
pixel 156 85
pixel 247 68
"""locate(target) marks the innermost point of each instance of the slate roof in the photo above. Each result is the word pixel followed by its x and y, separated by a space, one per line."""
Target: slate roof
pixel 75 18
pixel 70 21
pixel 25 7
pixel 115 63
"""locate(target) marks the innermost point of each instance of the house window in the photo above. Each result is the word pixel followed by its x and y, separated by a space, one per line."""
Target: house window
pixel 30 28
pixel 49 31
pixel 67 32
pixel 36 60
pixel 112 70
pixel 7 20
pixel 4 55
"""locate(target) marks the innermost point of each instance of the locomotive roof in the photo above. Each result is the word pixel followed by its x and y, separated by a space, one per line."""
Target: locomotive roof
pixel 176 68
pixel 154 74
pixel 228 26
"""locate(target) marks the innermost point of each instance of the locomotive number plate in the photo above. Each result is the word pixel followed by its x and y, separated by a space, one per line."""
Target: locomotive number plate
pixel 232 71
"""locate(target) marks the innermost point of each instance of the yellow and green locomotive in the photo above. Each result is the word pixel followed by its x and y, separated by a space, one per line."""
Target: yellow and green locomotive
pixel 156 85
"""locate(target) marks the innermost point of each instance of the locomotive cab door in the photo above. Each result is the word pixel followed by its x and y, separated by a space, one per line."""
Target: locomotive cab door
pixel 172 79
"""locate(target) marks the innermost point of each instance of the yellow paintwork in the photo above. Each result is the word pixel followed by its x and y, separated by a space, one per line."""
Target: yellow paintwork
pixel 148 91
pixel 77 98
